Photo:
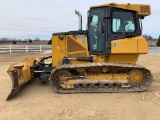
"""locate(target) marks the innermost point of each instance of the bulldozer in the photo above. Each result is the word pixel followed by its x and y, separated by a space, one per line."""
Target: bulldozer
pixel 100 59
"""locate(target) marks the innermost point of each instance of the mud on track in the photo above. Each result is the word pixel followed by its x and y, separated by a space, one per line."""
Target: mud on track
pixel 39 101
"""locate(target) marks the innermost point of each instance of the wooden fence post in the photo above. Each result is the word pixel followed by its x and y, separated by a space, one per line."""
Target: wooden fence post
pixel 40 48
pixel 10 49
pixel 26 48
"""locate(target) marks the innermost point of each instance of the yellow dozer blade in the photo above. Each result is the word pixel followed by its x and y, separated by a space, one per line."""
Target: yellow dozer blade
pixel 20 74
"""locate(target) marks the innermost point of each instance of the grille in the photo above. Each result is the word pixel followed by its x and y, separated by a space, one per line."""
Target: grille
pixel 145 9
pixel 73 46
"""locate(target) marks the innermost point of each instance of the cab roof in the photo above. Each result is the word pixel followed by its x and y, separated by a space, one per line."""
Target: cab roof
pixel 142 9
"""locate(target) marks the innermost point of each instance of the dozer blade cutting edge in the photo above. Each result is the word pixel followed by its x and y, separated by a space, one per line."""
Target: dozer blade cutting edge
pixel 20 74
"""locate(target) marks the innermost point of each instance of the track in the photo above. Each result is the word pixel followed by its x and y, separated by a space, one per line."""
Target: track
pixel 100 86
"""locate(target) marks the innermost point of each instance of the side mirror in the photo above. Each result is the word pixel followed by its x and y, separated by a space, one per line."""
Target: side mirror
pixel 142 17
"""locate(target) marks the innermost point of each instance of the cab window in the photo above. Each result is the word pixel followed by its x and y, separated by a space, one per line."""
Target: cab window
pixel 122 21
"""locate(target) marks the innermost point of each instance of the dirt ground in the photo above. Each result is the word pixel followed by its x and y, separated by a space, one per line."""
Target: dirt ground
pixel 39 102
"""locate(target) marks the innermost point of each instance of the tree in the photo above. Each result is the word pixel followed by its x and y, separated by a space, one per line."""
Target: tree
pixel 50 42
pixel 19 40
pixel 37 39
pixel 148 37
pixel 14 42
pixel 158 42
pixel 30 41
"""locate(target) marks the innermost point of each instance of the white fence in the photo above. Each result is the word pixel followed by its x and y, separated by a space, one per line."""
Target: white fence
pixel 24 48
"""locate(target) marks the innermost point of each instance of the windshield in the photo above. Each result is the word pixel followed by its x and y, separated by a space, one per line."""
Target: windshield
pixel 96 27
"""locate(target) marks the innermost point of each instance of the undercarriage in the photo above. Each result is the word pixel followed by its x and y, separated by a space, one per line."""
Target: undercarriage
pixel 100 78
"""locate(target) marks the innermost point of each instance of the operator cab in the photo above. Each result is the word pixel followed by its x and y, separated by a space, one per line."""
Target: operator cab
pixel 111 22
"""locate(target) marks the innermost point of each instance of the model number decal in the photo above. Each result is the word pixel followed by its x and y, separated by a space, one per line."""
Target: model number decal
pixel 115 44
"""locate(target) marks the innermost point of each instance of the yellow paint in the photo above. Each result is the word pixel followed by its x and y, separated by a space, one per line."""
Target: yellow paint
pixel 23 69
pixel 136 76
pixel 117 58
pixel 142 45
pixel 92 78
pixel 124 50
pixel 82 41
pixel 58 50
pixel 124 46
pixel 108 77
pixel 134 7
pixel 71 49
pixel 124 58
pixel 101 58
pixel 134 45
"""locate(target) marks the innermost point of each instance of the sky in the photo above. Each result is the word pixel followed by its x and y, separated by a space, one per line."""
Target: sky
pixel 28 19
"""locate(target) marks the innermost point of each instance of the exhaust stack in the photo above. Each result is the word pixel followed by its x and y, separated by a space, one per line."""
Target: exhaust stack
pixel 80 19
